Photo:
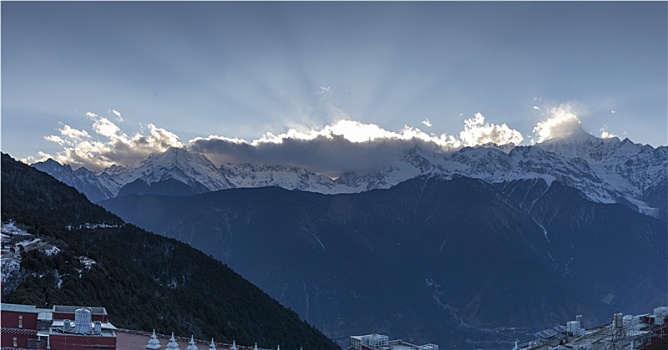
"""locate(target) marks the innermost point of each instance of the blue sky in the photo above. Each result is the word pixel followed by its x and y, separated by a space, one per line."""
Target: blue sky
pixel 243 69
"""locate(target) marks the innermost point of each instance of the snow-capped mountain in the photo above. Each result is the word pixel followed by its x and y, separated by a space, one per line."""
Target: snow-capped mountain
pixel 604 170
pixel 82 179
pixel 191 169
pixel 629 171
pixel 293 178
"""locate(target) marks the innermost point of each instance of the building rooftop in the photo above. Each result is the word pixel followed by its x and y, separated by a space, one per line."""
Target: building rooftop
pixel 95 310
pixel 624 332
pixel 107 333
pixel 129 341
pixel 105 325
pixel 45 316
pixel 382 342
pixel 22 308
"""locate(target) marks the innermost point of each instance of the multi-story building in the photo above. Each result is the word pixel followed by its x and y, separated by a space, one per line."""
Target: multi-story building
pixel 24 326
pixel 58 328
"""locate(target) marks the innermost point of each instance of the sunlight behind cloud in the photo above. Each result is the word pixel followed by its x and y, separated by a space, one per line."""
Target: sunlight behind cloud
pixel 344 145
pixel 348 145
pixel 560 122
pixel 114 147
pixel 477 132
pixel 358 132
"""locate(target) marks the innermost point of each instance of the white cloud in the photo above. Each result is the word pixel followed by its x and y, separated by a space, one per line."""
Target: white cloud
pixel 112 146
pixel 427 123
pixel 105 127
pixel 605 134
pixel 359 132
pixel 614 111
pixel 350 130
pixel 119 118
pixel 477 132
pixel 68 136
pixel 559 122
pixel 344 145
pixel 347 145
pixel 74 134
pixel 323 89
pixel 55 138
pixel 41 156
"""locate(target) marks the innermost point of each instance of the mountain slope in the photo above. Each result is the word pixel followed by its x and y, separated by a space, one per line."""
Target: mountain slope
pixel 81 179
pixel 626 250
pixel 145 281
pixel 437 259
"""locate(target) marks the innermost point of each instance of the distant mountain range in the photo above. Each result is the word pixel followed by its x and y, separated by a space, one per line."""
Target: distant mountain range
pixel 442 248
pixel 605 170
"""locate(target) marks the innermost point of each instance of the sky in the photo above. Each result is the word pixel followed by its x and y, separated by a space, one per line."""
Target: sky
pixel 100 83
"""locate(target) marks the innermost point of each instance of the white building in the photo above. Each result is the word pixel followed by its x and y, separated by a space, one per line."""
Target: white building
pixel 382 342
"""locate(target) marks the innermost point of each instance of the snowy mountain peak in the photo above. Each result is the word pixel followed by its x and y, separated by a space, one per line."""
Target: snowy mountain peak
pixel 174 156
pixel 604 170
pixel 82 179
pixel 591 148
pixel 190 168
pixel 418 158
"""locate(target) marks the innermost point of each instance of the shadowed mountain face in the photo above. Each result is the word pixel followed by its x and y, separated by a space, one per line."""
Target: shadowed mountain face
pixel 428 260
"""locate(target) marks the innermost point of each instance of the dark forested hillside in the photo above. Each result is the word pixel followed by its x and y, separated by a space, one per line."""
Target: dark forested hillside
pixel 29 195
pixel 144 280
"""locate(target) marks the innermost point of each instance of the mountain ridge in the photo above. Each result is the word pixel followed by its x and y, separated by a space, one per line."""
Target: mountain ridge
pixel 605 170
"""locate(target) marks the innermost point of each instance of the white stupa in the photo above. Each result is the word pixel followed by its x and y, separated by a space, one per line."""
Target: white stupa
pixel 278 347
pixel 234 345
pixel 172 343
pixel 153 343
pixel 191 345
pixel 255 347
pixel 212 346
